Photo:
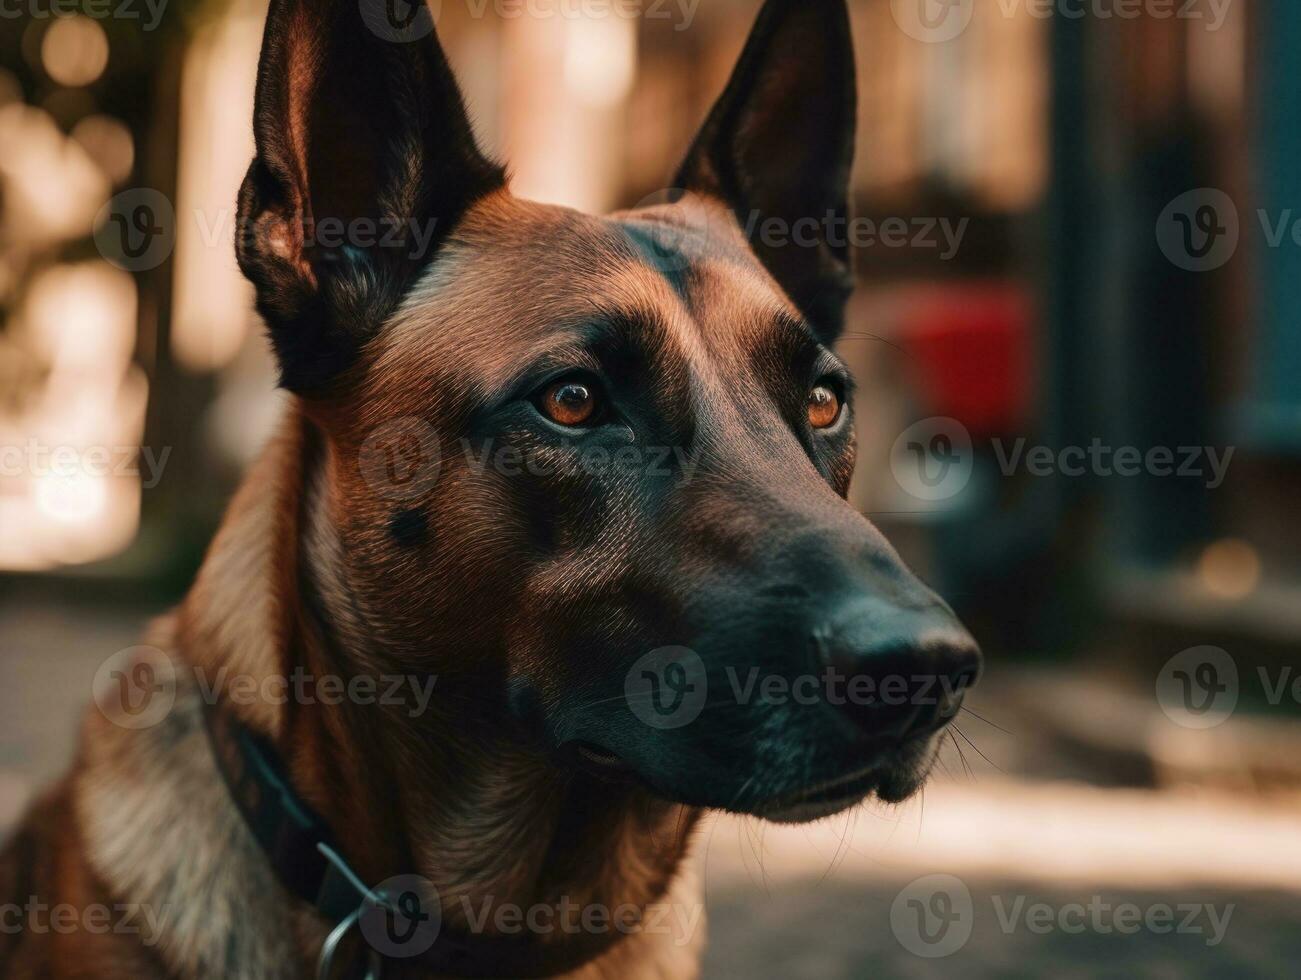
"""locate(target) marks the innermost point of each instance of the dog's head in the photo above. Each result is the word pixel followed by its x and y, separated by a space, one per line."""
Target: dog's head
pixel 592 470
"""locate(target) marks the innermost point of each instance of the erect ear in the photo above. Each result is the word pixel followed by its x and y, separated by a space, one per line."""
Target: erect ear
pixel 365 160
pixel 778 147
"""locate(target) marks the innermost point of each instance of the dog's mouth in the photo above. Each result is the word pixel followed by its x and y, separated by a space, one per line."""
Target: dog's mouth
pixel 892 777
pixel 823 799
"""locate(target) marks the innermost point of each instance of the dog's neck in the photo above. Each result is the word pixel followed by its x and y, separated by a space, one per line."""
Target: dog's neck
pixel 446 791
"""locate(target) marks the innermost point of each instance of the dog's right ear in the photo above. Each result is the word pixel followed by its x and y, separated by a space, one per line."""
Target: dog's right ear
pixel 779 146
pixel 365 160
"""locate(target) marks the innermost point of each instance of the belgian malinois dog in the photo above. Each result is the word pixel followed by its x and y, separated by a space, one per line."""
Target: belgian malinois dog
pixel 500 610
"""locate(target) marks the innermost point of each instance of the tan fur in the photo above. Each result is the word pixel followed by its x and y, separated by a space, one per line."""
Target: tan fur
pixel 317 570
pixel 479 820
pixel 145 818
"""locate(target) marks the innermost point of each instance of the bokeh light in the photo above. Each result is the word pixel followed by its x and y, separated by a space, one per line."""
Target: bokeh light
pixel 109 143
pixel 74 50
pixel 1229 569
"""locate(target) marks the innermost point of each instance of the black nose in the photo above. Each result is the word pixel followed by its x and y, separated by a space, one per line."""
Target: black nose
pixel 895 672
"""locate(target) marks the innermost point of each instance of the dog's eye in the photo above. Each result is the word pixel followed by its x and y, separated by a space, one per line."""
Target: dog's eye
pixel 570 402
pixel 823 406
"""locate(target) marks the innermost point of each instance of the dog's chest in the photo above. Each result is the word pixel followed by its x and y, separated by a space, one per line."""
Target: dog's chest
pixel 161 832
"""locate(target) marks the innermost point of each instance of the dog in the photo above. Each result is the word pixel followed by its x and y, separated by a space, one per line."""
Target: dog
pixel 576 485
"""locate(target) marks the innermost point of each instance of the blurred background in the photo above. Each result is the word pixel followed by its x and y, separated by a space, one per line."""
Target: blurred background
pixel 1075 335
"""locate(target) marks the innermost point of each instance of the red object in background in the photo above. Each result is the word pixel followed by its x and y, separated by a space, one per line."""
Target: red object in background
pixel 969 348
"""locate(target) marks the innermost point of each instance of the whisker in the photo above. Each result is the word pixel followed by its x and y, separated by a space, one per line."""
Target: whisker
pixel 988 722
pixel 977 750
pixel 962 756
pixel 944 765
pixel 864 335
pixel 846 834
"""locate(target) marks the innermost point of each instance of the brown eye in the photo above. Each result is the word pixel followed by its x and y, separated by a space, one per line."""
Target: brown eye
pixel 823 406
pixel 569 402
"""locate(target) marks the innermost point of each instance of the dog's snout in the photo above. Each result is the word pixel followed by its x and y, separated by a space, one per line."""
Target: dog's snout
pixel 901 672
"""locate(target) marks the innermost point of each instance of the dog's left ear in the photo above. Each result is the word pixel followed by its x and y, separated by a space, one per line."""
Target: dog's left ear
pixel 365 161
pixel 778 148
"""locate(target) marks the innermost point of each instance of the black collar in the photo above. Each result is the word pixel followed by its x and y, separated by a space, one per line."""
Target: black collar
pixel 305 857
